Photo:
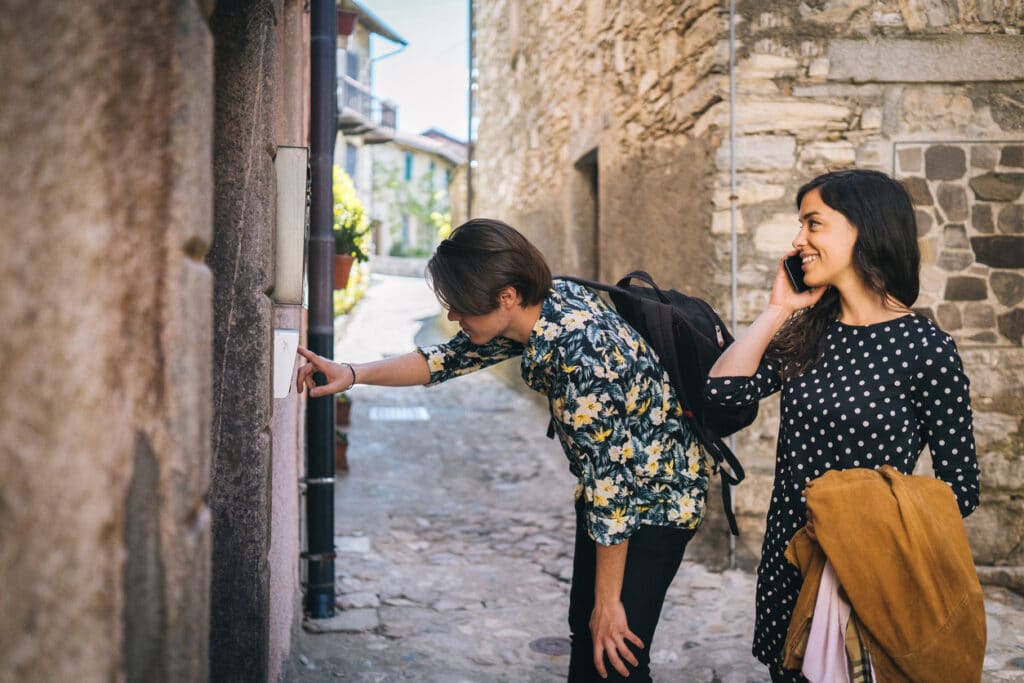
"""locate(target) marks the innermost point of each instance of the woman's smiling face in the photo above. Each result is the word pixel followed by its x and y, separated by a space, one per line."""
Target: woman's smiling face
pixel 825 241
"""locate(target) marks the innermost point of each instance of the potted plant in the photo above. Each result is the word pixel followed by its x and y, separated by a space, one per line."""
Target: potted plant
pixel 342 410
pixel 351 229
pixel 346 22
pixel 340 450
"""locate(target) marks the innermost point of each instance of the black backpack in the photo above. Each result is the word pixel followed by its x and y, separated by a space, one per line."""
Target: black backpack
pixel 688 336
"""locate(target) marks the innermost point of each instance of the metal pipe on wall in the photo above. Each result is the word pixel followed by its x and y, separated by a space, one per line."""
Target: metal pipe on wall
pixel 319 554
pixel 471 97
pixel 733 198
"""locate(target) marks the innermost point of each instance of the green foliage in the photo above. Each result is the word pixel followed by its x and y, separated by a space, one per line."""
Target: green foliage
pixel 399 249
pixel 442 222
pixel 433 210
pixel 351 225
pixel 352 235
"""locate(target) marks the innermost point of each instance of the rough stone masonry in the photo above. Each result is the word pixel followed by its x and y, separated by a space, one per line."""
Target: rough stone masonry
pixel 604 134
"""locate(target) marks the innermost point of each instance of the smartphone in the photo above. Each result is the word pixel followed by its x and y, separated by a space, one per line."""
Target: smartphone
pixel 795 272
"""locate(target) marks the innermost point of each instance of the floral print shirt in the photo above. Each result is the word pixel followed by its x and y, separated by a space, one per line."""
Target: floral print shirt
pixel 612 406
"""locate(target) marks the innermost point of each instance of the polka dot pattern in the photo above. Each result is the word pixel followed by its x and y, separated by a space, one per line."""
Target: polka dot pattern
pixel 878 395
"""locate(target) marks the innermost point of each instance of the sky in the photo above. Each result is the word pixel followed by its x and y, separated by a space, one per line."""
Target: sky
pixel 428 79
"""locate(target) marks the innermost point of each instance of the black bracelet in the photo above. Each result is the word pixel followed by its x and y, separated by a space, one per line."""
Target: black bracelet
pixel 352 370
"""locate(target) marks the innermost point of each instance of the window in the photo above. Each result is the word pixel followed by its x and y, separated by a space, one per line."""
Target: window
pixel 351 159
pixel 408 165
pixel 352 64
pixel 405 228
pixel 430 180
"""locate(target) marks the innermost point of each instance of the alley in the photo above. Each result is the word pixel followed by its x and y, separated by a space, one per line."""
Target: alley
pixel 453 530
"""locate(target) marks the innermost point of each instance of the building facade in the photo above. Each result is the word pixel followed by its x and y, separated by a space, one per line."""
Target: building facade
pixel 364 119
pixel 409 196
pixel 604 133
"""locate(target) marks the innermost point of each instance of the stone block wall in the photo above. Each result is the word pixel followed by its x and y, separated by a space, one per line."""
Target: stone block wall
pixel 287 426
pixel 933 98
pixel 262 103
pixel 970 217
pixel 105 306
pixel 581 141
pixel 968 196
pixel 644 88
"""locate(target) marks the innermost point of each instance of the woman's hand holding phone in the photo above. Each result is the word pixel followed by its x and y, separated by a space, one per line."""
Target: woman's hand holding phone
pixel 784 289
pixel 795 270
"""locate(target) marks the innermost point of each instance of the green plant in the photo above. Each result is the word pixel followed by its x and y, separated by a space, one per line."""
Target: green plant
pixel 402 250
pixel 351 225
pixel 442 221
pixel 419 200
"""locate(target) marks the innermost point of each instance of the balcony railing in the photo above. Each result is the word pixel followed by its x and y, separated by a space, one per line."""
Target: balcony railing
pixel 360 113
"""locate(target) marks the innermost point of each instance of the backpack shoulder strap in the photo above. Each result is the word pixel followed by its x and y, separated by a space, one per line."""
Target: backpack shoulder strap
pixel 730 476
pixel 644 276
pixel 592 284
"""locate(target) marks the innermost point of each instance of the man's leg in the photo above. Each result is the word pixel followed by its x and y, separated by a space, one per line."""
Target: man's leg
pixel 581 603
pixel 655 553
pixel 651 564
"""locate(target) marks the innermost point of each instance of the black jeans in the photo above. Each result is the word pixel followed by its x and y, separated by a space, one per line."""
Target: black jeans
pixel 652 560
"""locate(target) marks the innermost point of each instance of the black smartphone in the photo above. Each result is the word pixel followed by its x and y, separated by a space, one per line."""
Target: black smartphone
pixel 795 272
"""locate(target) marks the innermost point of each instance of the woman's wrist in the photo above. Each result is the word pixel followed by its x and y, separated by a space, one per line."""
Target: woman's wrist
pixel 778 314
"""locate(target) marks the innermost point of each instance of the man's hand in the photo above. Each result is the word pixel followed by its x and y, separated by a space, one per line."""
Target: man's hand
pixel 339 376
pixel 609 631
pixel 608 626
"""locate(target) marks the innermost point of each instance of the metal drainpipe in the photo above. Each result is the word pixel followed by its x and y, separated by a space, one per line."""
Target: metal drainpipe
pixel 733 197
pixel 469 113
pixel 320 411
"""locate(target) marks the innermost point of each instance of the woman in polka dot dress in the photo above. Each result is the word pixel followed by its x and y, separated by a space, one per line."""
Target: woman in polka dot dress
pixel 865 382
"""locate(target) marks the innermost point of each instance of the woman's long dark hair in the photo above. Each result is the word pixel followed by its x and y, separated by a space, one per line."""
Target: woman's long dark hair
pixel 885 255
pixel 479 259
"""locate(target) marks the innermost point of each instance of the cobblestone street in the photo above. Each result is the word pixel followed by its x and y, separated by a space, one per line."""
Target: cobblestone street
pixel 454 529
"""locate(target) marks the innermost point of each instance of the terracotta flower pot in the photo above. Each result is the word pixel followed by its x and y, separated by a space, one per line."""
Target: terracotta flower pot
pixel 341 454
pixel 342 269
pixel 342 412
pixel 346 22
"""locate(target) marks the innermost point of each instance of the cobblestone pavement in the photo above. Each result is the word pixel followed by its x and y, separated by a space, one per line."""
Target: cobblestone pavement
pixel 454 539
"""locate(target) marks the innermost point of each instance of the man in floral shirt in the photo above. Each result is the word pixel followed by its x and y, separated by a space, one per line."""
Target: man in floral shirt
pixel 642 475
pixel 614 412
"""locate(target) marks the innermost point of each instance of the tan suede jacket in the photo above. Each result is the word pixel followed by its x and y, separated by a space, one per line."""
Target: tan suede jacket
pixel 899 549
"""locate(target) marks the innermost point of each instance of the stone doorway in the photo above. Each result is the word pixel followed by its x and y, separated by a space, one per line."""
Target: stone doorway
pixel 583 249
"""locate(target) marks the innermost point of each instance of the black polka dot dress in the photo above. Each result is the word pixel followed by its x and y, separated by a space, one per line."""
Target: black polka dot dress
pixel 878 395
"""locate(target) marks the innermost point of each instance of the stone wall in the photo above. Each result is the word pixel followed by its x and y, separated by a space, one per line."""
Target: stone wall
pixel 581 143
pixel 262 103
pixel 632 100
pixel 105 131
pixel 288 414
pixel 969 215
pixel 260 61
